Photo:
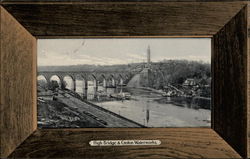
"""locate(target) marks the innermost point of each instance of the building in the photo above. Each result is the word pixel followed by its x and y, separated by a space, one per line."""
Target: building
pixel 189 82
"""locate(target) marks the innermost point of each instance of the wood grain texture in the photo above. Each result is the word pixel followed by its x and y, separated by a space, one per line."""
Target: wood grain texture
pixel 176 143
pixel 248 99
pixel 248 83
pixel 124 18
pixel 128 19
pixel 230 82
pixel 81 1
pixel 17 101
pixel 0 81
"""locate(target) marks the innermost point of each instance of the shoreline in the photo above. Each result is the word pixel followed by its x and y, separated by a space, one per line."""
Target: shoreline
pixel 108 111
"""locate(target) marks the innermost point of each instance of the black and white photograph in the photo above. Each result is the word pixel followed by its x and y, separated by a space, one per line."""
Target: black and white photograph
pixel 124 82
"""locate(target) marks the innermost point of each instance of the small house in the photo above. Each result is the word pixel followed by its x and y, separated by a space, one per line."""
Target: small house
pixel 189 82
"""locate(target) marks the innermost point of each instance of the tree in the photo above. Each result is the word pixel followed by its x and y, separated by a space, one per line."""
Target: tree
pixel 64 85
pixel 53 85
pixel 42 84
pixel 177 71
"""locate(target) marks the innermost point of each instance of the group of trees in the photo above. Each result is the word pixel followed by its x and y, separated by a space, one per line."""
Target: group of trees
pixel 52 85
pixel 177 71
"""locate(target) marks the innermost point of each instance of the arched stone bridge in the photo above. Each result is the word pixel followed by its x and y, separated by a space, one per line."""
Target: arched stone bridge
pixel 106 79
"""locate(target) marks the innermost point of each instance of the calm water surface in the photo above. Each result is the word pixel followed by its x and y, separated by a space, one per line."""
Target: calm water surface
pixel 150 109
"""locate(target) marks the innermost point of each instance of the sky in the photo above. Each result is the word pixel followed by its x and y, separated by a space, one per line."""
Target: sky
pixel 63 52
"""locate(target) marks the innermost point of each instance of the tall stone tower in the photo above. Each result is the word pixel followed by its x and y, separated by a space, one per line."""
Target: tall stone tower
pixel 148 57
pixel 146 73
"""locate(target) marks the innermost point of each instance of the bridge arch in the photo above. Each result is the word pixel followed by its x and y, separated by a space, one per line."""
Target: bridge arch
pixel 80 84
pixel 42 77
pixel 56 78
pixel 102 80
pixel 85 80
pixel 66 82
pixel 111 82
pixel 46 76
pixel 120 79
pixel 127 78
pixel 69 75
pixel 92 77
pixel 78 76
pixel 92 86
pixel 42 81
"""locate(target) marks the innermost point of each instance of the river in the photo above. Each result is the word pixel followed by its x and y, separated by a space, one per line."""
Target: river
pixel 151 109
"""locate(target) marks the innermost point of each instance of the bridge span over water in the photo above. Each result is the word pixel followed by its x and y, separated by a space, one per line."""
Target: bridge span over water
pixel 104 78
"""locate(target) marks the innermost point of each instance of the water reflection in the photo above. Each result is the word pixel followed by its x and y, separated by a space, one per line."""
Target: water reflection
pixel 150 109
pixel 147 114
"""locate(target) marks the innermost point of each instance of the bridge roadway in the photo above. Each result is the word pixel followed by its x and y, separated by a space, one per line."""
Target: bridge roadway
pixel 110 119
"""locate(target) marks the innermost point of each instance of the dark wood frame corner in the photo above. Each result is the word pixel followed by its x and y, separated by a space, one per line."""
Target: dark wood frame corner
pixel 227 23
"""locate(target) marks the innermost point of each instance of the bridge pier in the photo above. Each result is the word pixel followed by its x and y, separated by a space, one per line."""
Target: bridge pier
pixel 85 93
pixel 95 88
pixel 121 82
pixel 113 82
pixel 74 85
pixel 85 89
pixel 104 83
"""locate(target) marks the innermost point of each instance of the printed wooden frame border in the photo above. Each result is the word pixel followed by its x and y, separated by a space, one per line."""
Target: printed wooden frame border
pixel 227 23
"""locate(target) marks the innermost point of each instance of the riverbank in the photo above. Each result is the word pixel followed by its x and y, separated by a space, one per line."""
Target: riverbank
pixel 69 110
pixel 195 102
pixel 54 114
pixel 189 102
pixel 104 110
pixel 150 89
